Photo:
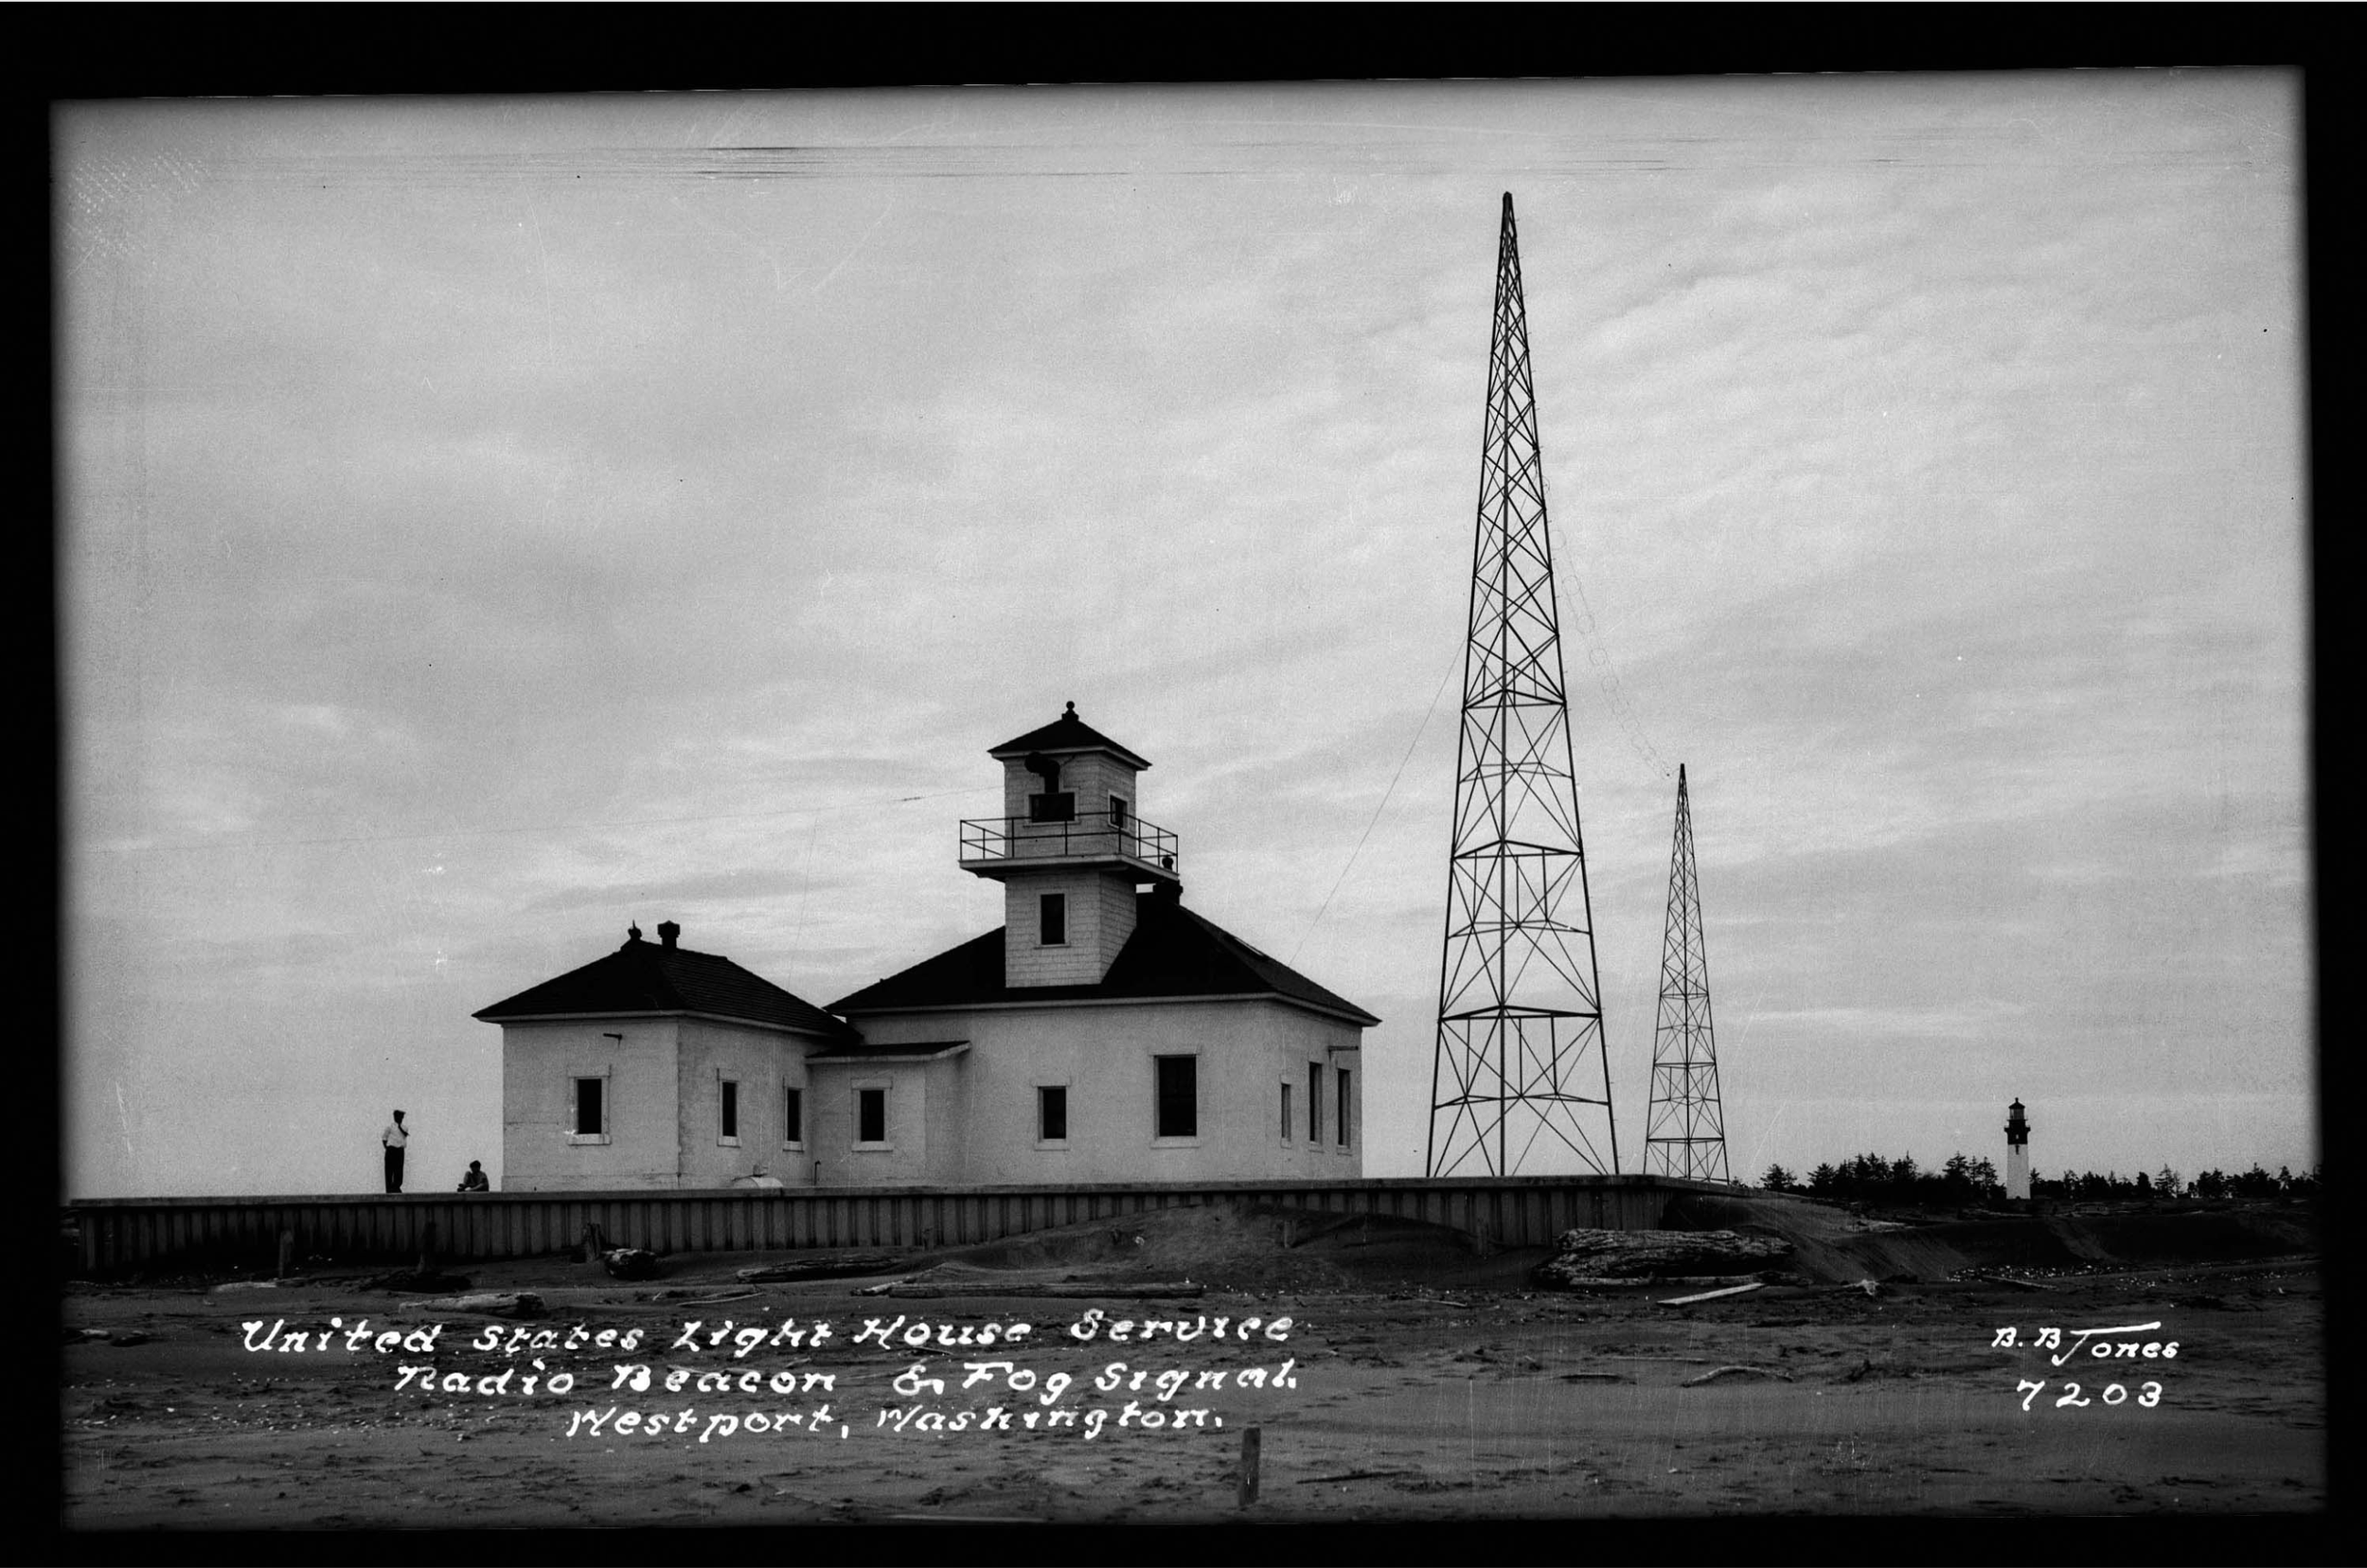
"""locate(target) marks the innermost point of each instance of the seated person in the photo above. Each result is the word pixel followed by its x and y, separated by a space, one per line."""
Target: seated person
pixel 474 1181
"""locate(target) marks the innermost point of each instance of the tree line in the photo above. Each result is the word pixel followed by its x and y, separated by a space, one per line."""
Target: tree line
pixel 1960 1180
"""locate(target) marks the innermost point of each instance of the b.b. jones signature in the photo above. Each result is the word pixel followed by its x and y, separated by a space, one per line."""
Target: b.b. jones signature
pixel 2109 1344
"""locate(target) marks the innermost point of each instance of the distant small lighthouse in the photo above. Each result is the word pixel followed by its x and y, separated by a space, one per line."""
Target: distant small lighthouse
pixel 2016 1155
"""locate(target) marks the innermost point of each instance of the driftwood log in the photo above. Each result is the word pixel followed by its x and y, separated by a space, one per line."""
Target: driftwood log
pixel 1591 1257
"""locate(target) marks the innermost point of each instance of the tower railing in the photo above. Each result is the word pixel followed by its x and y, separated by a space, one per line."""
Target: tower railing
pixel 988 839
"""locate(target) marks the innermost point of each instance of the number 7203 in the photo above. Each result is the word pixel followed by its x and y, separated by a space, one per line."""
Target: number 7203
pixel 2148 1393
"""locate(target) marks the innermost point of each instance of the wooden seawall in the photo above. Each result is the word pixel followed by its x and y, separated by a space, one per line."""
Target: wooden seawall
pixel 113 1234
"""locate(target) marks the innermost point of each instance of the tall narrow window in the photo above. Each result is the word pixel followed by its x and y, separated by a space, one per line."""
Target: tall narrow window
pixel 1117 811
pixel 728 1126
pixel 1286 1113
pixel 1179 1097
pixel 1052 1112
pixel 871 1116
pixel 590 1120
pixel 1053 908
pixel 1314 1102
pixel 792 1116
pixel 1339 1123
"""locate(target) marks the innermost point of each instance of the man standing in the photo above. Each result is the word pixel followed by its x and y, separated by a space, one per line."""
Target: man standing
pixel 394 1139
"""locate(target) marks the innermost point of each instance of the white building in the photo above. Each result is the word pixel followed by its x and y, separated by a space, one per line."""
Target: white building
pixel 656 1067
pixel 1104 1033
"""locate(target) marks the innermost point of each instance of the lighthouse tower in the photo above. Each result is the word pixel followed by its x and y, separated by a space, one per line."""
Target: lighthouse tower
pixel 1069 850
pixel 2016 1155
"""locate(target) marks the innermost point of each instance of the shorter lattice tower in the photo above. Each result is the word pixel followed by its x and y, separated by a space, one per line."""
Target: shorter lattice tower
pixel 1686 1132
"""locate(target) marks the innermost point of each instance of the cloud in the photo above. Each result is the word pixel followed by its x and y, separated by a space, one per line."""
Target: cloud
pixel 1959 1023
pixel 726 886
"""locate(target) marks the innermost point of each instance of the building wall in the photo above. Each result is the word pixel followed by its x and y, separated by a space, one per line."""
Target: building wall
pixel 948 1110
pixel 1116 906
pixel 663 1103
pixel 763 1061
pixel 1100 917
pixel 539 1062
pixel 925 1128
pixel 1104 1056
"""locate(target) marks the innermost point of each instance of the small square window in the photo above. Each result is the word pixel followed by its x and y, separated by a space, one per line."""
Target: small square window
pixel 1052 1112
pixel 1053 911
pixel 792 1116
pixel 591 1096
pixel 871 1116
pixel 1052 806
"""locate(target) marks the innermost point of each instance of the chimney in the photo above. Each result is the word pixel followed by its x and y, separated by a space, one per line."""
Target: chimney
pixel 666 931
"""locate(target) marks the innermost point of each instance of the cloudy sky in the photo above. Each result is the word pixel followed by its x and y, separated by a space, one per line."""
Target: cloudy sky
pixel 491 522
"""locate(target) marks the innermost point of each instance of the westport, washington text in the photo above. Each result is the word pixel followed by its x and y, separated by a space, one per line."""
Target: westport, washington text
pixel 934 1399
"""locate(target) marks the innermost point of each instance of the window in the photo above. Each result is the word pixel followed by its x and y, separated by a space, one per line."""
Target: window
pixel 727 1121
pixel 1286 1113
pixel 1179 1097
pixel 1054 804
pixel 591 1094
pixel 792 1116
pixel 1314 1102
pixel 1341 1121
pixel 1052 1112
pixel 871 1116
pixel 1117 811
pixel 1052 909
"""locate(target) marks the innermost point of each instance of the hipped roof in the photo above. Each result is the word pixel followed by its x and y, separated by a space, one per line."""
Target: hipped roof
pixel 649 977
pixel 1068 733
pixel 1172 953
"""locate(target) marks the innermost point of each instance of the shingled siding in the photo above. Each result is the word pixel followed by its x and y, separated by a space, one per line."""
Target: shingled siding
pixel 1101 916
pixel 117 1234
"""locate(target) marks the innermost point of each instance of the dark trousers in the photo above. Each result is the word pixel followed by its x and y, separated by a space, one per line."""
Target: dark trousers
pixel 394 1169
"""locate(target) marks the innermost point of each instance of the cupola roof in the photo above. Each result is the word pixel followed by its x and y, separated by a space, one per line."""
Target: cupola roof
pixel 1068 733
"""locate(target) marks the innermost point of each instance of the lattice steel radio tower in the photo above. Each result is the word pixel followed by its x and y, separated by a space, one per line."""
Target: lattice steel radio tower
pixel 1520 1017
pixel 1685 1133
